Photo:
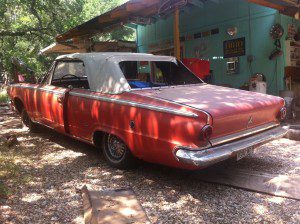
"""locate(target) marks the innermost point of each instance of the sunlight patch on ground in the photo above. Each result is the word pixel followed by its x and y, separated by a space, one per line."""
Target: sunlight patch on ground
pixel 276 200
pixel 60 155
pixel 32 197
pixel 78 220
pixel 260 209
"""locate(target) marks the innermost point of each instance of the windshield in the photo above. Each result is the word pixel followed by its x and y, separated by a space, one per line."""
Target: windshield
pixel 145 74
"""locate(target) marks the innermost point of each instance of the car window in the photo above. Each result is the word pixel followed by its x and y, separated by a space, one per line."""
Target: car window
pixel 145 74
pixel 70 73
pixel 68 70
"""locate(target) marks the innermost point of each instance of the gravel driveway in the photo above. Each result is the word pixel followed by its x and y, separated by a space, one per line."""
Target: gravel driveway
pixel 48 169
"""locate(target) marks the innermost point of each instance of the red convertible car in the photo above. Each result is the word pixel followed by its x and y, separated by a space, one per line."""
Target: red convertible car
pixel 146 107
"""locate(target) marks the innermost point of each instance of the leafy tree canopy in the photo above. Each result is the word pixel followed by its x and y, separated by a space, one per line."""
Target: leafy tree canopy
pixel 27 26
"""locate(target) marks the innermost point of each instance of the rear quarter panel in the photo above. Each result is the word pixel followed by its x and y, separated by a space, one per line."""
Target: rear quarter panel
pixel 155 134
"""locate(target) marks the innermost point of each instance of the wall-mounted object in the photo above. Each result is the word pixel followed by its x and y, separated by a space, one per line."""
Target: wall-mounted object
pixel 276 31
pixel 234 48
pixel 275 53
pixel 232 31
pixel 292 31
pixel 232 66
pixel 292 55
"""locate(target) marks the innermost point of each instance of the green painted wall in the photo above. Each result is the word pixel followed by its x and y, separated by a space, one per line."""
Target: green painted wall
pixel 226 13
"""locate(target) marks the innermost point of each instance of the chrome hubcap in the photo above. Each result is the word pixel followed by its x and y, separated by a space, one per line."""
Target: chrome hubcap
pixel 116 147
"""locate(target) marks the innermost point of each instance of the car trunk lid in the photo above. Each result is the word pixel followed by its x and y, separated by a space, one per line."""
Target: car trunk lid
pixel 232 110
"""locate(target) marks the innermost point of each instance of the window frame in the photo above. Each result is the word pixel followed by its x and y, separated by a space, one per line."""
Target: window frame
pixel 67 61
pixel 152 74
pixel 48 75
pixel 51 71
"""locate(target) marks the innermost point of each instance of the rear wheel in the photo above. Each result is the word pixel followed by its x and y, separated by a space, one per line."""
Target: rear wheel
pixel 27 122
pixel 117 154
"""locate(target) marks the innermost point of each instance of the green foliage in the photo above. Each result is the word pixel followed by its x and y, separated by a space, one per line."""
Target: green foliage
pixel 94 8
pixel 3 96
pixel 27 26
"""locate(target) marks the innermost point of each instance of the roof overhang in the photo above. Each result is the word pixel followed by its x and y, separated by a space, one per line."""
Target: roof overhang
pixel 287 7
pixel 88 46
pixel 141 12
pixel 132 11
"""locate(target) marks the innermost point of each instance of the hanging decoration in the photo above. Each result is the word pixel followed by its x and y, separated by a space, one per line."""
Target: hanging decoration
pixel 276 33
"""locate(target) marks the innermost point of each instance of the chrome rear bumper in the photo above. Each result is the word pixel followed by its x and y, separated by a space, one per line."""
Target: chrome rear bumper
pixel 210 156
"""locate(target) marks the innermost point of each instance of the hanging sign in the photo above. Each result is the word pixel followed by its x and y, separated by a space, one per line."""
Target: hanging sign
pixel 234 48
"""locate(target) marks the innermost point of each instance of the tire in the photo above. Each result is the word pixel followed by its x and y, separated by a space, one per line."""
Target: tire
pixel 27 122
pixel 117 154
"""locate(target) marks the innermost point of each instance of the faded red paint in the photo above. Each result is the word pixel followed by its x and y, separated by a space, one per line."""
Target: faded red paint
pixel 156 134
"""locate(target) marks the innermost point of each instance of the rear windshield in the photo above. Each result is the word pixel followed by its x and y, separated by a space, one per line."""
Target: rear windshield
pixel 146 74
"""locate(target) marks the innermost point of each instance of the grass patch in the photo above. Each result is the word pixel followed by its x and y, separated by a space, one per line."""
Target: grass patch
pixel 4 191
pixel 10 171
pixel 3 96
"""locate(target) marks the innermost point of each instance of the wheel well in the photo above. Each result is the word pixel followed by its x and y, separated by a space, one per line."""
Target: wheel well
pixel 18 105
pixel 98 138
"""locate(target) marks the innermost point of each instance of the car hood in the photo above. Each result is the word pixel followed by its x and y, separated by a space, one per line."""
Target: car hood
pixel 230 108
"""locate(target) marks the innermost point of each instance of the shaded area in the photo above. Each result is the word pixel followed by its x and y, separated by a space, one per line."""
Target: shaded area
pixel 57 167
pixel 112 206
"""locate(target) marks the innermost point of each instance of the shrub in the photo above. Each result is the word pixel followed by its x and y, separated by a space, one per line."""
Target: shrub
pixel 3 97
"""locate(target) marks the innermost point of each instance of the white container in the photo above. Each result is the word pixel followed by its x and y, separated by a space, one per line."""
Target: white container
pixel 258 86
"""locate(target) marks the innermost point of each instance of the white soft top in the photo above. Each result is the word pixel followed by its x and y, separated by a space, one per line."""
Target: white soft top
pixel 103 71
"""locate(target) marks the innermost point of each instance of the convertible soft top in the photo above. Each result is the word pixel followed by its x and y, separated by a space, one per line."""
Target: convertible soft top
pixel 103 71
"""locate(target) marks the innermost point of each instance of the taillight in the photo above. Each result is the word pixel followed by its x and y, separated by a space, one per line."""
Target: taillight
pixel 282 114
pixel 206 133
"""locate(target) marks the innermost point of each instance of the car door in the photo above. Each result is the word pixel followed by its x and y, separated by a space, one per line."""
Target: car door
pixel 51 100
pixel 66 76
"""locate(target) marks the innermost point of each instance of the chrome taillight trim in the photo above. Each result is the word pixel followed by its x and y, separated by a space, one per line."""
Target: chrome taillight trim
pixel 241 134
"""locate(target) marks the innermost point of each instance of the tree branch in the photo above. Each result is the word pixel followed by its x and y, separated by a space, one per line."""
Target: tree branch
pixel 35 13
pixel 20 32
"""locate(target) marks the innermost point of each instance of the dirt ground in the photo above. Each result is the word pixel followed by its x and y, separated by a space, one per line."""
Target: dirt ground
pixel 41 176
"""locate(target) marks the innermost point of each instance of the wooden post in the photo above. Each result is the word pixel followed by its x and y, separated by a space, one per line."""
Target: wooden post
pixel 176 35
